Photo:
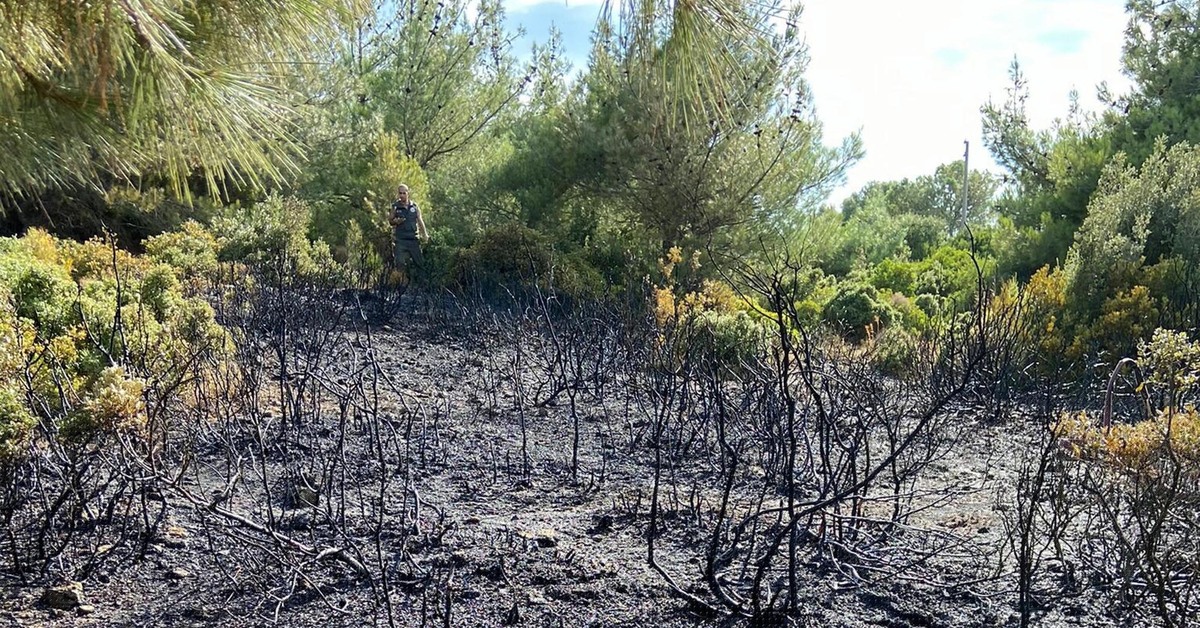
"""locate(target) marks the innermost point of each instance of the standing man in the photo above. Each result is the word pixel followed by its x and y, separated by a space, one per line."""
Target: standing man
pixel 407 227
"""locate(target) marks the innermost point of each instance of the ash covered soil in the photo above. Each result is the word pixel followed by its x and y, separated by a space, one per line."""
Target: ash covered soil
pixel 421 481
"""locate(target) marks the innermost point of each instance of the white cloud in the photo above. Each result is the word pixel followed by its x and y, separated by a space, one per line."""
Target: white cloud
pixel 913 75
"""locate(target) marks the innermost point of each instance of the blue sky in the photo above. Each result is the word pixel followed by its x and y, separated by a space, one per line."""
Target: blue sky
pixel 911 76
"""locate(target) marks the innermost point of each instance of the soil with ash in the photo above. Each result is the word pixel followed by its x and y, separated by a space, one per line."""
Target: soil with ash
pixel 490 543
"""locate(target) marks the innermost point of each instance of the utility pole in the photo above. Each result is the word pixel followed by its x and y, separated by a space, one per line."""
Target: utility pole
pixel 966 178
pixel 966 225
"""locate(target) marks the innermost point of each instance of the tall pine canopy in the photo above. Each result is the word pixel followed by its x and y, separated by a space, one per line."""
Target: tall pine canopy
pixel 92 92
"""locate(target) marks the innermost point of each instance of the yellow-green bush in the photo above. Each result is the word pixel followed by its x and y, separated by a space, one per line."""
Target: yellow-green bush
pixel 87 331
pixel 190 251
pixel 272 237
pixel 808 312
pixel 16 423
pixel 704 317
pixel 1171 437
pixel 894 275
pixel 1125 319
pixel 42 294
pixel 1033 312
pixel 115 401
pixel 1171 363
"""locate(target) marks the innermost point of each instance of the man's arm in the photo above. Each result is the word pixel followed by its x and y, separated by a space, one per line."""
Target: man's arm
pixel 421 232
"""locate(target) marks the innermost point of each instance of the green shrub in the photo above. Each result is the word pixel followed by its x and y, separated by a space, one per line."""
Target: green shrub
pixel 160 291
pixel 855 308
pixel 931 304
pixel 1124 321
pixel 364 264
pixel 77 320
pixel 728 338
pixel 190 251
pixel 907 313
pixel 509 253
pixel 272 236
pixel 922 234
pixel 621 260
pixel 16 424
pixel 579 278
pixel 950 272
pixel 894 275
pixel 895 352
pixel 1170 362
pixel 114 403
pixel 43 294
pixel 808 312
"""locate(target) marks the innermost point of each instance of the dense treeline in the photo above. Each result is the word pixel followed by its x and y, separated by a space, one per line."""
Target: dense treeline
pixel 671 141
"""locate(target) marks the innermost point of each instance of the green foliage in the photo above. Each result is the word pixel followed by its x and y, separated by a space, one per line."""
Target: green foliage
pixel 1054 174
pixel 1125 319
pixel 413 95
pixel 531 171
pixel 1137 217
pixel 272 236
pixel 950 272
pixel 895 276
pixel 16 424
pixel 1170 361
pixel 687 128
pixel 855 309
pixel 895 352
pixel 737 159
pixel 1162 57
pixel 731 339
pixel 922 234
pixel 117 90
pixel 907 313
pixel 931 304
pixel 43 295
pixel 809 312
pixel 190 251
pixel 441 76
pixel 364 264
pixel 512 255
pixel 86 330
pixel 870 236
pixel 160 291
pixel 1022 250
pixel 938 197
pixel 509 253
pixel 373 188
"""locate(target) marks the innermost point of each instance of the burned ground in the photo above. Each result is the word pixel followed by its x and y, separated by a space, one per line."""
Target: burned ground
pixel 484 467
